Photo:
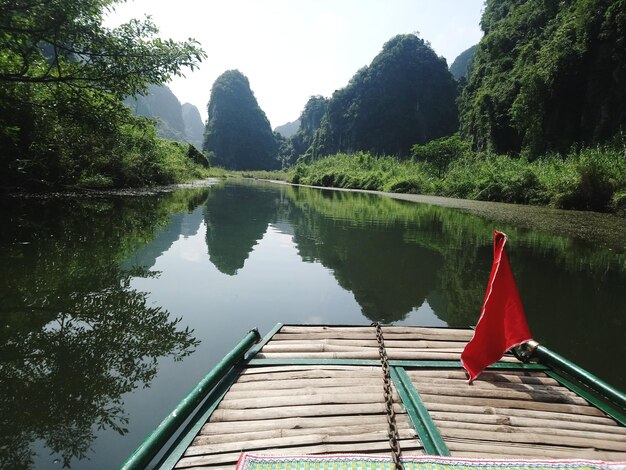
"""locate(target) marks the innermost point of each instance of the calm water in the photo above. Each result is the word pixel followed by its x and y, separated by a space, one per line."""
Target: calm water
pixel 112 308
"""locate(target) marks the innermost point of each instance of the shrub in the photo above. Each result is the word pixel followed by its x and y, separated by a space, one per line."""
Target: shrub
pixel 618 204
pixel 96 181
pixel 441 153
pixel 410 185
pixel 598 176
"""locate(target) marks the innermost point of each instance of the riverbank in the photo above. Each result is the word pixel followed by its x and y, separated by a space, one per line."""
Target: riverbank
pixel 83 192
pixel 176 173
pixel 593 179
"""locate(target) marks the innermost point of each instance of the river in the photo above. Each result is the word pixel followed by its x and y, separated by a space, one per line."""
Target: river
pixel 113 306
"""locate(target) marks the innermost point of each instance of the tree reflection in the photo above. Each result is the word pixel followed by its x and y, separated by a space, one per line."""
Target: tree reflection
pixel 74 337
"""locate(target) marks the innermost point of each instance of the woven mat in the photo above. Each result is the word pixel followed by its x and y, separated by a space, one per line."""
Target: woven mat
pixel 373 462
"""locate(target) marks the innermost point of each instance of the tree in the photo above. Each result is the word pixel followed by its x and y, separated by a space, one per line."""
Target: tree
pixel 238 132
pixel 64 42
pixel 62 77
pixel 440 153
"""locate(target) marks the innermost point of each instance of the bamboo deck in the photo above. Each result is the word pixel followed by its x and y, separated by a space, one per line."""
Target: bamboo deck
pixel 312 390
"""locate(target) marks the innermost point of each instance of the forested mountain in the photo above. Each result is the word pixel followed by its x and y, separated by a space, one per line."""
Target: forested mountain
pixel 289 129
pixel 547 76
pixel 194 127
pixel 161 104
pixel 299 144
pixel 310 121
pixel 181 123
pixel 238 133
pixel 461 65
pixel 405 96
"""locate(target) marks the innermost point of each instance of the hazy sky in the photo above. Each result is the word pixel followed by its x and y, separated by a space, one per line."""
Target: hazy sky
pixel 293 49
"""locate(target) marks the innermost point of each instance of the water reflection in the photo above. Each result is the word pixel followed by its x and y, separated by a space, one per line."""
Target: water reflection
pixel 392 256
pixel 74 337
pixel 236 218
pixel 86 315
pixel 388 275
pixel 180 224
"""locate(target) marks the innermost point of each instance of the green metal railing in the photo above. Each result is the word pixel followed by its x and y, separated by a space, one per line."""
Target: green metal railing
pixel 559 362
pixel 154 443
pixel 613 402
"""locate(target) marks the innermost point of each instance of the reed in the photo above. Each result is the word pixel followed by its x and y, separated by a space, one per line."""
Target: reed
pixel 590 179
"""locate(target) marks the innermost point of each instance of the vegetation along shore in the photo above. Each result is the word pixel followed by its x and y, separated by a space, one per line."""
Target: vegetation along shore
pixel 535 113
pixel 592 179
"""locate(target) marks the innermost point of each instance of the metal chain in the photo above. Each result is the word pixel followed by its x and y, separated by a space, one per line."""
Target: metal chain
pixel 394 437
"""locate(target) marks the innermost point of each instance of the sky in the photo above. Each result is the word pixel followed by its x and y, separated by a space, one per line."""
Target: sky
pixel 291 50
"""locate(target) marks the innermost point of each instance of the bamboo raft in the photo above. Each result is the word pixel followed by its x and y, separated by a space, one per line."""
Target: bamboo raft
pixel 318 390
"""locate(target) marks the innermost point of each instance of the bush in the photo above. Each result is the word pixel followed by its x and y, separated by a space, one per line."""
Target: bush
pixel 618 204
pixel 197 156
pixel 141 158
pixel 590 180
pixel 441 153
pixel 96 181
pixel 411 185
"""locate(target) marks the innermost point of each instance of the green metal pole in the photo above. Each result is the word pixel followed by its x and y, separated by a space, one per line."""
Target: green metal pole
pixel 427 430
pixel 559 362
pixel 153 444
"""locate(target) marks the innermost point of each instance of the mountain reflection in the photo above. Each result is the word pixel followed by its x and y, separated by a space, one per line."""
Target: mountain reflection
pixel 394 255
pixel 388 276
pixel 74 337
pixel 236 219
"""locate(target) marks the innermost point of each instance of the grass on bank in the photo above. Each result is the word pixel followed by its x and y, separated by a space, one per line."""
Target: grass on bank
pixel 280 175
pixel 592 179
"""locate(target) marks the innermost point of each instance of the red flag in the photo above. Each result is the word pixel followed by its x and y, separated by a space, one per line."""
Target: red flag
pixel 502 324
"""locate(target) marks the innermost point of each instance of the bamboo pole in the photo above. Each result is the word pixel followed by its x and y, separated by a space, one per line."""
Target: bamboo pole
pixel 300 422
pixel 492 410
pixel 304 410
pixel 508 403
pixel 442 417
pixel 409 447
